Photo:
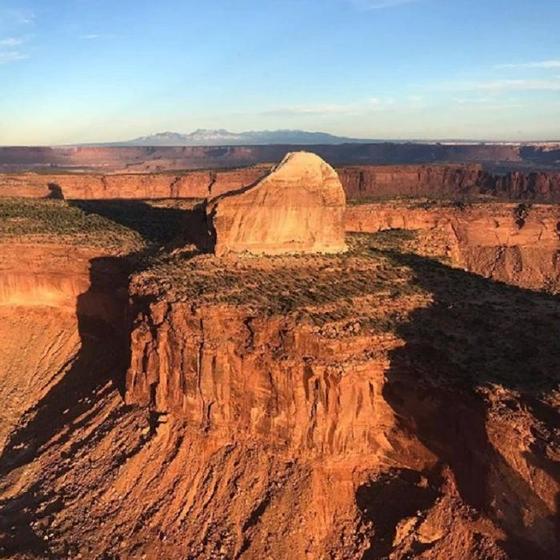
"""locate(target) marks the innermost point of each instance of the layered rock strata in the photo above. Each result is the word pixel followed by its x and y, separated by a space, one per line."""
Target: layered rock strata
pixel 516 244
pixel 155 159
pixel 362 182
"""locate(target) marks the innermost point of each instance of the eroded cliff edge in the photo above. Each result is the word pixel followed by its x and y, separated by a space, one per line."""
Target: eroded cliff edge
pixel 379 366
pixel 360 182
pixel 363 405
pixel 517 244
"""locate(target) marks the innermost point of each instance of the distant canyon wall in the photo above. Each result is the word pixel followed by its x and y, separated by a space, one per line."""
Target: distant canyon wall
pixel 519 246
pixel 360 183
pixel 449 181
pixel 153 159
pixel 195 184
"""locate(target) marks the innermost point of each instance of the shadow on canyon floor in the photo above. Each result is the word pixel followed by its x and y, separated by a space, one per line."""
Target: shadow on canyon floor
pixel 477 333
pixel 95 371
pixel 394 496
pixel 158 225
pixel 98 368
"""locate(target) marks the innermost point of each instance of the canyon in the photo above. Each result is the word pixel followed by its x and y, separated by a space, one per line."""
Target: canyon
pixel 397 400
pixel 363 182
pixel 157 159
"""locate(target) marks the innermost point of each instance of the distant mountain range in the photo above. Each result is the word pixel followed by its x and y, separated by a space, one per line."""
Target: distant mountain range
pixel 221 137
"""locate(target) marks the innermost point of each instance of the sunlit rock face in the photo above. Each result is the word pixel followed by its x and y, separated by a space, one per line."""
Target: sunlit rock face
pixel 297 208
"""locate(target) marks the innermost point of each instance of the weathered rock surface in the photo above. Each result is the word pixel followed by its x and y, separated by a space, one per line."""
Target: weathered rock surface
pixel 447 181
pixel 363 182
pixel 88 186
pixel 382 413
pixel 488 239
pixel 297 208
pixel 368 405
pixel 259 435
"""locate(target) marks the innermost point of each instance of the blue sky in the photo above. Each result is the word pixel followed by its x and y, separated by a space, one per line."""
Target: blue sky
pixel 96 70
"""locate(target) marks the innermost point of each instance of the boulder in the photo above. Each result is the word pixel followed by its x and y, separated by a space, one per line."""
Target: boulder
pixel 297 208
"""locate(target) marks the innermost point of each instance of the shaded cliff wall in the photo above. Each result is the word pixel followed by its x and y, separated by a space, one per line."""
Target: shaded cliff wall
pixel 360 183
pixel 388 181
pixel 447 181
pixel 56 307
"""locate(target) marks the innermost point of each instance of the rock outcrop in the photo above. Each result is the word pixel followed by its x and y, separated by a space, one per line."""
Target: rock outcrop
pixel 425 421
pixel 382 181
pixel 374 414
pixel 297 208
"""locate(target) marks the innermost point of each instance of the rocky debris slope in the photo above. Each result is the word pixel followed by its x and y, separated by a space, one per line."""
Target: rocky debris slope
pixel 297 208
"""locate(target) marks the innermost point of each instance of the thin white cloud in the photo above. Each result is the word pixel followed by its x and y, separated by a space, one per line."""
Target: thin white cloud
pixel 543 64
pixel 11 56
pixel 10 47
pixel 500 86
pixel 90 36
pixel 489 103
pixel 11 42
pixel 370 105
pixel 378 4
pixel 302 110
pixel 10 51
pixel 18 17
pixel 518 85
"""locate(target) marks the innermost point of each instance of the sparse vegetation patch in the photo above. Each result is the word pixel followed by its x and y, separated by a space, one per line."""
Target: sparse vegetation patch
pixel 58 221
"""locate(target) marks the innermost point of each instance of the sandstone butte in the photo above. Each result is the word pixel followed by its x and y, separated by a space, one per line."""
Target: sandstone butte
pixel 297 208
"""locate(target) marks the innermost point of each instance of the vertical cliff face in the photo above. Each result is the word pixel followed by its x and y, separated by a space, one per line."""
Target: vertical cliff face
pixel 364 182
pixel 502 247
pixel 89 186
pixel 543 186
pixel 54 305
pixel 516 244
pixel 240 376
pixel 447 181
